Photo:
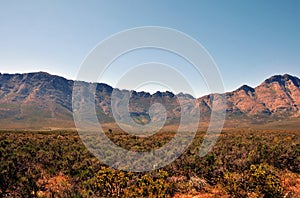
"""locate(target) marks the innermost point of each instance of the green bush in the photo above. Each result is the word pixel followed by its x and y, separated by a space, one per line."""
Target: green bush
pixel 108 182
pixel 263 180
pixel 260 180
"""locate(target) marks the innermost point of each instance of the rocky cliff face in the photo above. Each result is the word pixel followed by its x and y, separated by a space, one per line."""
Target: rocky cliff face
pixel 276 96
pixel 41 99
pixel 34 99
pixel 35 88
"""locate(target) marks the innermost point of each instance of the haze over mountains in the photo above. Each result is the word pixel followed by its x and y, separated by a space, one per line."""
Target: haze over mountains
pixel 35 100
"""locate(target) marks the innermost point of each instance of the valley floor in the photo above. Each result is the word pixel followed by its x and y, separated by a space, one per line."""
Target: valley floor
pixel 243 163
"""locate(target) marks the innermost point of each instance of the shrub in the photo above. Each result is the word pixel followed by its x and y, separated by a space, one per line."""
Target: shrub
pixel 260 180
pixel 263 180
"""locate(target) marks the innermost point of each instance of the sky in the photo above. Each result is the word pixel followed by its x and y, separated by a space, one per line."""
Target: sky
pixel 248 40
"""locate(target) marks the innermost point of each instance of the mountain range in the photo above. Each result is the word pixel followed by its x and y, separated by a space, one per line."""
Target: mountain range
pixel 41 100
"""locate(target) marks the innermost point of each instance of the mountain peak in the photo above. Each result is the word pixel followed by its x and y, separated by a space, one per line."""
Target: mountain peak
pixel 246 88
pixel 163 94
pixel 185 95
pixel 41 72
pixel 281 79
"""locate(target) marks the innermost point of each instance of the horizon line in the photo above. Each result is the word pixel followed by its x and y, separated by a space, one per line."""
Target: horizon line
pixel 151 93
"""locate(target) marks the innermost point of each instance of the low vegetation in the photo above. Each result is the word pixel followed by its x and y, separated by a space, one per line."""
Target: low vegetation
pixel 243 163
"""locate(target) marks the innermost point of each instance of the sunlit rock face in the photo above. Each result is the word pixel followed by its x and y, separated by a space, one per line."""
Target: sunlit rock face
pixel 47 100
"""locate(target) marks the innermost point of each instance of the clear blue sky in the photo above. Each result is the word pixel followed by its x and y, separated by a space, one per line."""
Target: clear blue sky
pixel 249 40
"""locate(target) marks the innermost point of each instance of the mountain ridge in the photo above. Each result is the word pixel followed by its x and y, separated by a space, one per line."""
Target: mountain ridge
pixel 42 99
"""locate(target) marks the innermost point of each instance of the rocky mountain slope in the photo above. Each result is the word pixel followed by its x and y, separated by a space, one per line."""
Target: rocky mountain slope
pixel 44 100
pixel 278 97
